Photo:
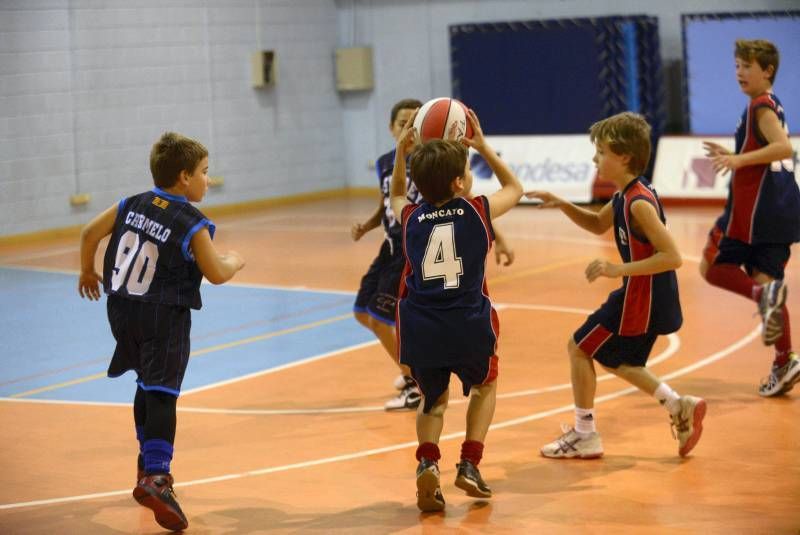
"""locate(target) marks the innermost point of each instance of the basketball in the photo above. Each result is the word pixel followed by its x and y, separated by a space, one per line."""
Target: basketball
pixel 443 118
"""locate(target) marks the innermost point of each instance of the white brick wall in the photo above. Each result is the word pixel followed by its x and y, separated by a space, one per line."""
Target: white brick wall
pixel 87 86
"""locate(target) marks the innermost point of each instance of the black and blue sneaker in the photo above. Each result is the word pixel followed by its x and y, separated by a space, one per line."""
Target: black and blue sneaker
pixel 469 480
pixel 429 492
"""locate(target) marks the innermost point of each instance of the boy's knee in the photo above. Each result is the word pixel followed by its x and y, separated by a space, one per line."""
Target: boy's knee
pixel 439 406
pixel 703 268
pixel 484 390
pixel 575 351
pixel 363 318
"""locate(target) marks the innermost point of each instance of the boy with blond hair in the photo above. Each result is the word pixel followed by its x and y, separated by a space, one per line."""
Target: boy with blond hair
pixel 622 332
pixel 159 251
pixel 749 246
pixel 445 320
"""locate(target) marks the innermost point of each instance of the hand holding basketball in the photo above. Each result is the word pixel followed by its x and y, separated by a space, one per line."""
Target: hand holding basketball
pixel 408 135
pixel 477 141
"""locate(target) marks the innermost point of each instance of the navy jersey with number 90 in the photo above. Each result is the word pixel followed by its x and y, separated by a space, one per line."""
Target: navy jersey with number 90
pixel 148 257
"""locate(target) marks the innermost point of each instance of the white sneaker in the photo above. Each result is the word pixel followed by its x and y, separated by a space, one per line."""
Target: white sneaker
pixel 571 445
pixel 770 306
pixel 781 380
pixel 408 399
pixel 687 425
pixel 400 382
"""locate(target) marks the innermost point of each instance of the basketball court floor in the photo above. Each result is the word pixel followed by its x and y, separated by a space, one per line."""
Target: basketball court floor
pixel 281 427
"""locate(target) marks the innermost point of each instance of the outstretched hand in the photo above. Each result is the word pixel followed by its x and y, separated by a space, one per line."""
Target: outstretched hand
pixel 721 158
pixel 548 199
pixel 89 285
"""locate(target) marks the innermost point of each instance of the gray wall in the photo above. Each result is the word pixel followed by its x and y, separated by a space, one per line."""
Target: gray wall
pixel 86 86
pixel 412 58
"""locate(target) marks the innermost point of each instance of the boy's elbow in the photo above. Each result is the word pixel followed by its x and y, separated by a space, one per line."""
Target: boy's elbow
pixel 676 260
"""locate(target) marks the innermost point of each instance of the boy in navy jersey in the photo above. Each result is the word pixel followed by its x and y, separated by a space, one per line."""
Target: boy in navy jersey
pixel 622 332
pixel 377 296
pixel 159 251
pixel 445 321
pixel 749 245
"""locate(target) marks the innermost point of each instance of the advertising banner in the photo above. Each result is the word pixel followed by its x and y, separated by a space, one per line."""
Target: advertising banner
pixel 561 164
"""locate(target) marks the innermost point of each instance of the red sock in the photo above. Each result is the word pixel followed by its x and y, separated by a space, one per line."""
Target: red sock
pixel 732 278
pixel 783 347
pixel 472 450
pixel 429 450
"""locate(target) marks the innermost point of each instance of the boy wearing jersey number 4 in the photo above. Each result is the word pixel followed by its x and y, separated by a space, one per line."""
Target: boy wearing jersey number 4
pixel 622 332
pixel 159 251
pixel 748 248
pixel 445 321
pixel 377 295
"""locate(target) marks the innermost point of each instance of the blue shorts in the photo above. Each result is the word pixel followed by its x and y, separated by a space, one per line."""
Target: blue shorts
pixel 612 350
pixel 377 295
pixel 152 340
pixel 433 382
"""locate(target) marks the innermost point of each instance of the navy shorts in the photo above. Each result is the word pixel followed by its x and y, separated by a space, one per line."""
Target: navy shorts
pixel 377 295
pixel 433 382
pixel 152 340
pixel 767 258
pixel 612 350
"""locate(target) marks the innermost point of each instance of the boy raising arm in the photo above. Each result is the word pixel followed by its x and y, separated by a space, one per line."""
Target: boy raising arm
pixel 445 320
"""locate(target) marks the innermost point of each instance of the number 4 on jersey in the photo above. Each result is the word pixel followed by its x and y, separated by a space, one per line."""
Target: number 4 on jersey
pixel 440 261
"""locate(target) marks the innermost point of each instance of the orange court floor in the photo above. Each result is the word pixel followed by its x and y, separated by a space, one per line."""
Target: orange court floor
pixel 289 467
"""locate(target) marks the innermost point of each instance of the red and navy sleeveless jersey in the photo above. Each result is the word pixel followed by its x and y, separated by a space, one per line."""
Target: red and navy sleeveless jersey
pixel 148 257
pixel 444 315
pixel 763 200
pixel 384 167
pixel 644 303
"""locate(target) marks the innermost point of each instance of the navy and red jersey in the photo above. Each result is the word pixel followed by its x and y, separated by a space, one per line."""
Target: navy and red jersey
pixel 763 200
pixel 384 167
pixel 444 315
pixel 644 303
pixel 148 257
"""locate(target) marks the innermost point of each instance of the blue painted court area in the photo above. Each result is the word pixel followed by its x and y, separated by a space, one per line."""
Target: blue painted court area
pixel 55 344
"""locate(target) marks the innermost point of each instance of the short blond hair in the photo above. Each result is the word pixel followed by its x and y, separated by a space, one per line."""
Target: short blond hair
pixel 763 52
pixel 625 133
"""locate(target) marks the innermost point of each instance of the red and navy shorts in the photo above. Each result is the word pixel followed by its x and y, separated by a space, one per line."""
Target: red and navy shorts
pixel 610 349
pixel 767 258
pixel 434 381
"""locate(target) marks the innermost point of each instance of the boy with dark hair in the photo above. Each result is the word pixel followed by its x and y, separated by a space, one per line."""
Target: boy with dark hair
pixel 749 246
pixel 377 295
pixel 622 332
pixel 445 320
pixel 159 251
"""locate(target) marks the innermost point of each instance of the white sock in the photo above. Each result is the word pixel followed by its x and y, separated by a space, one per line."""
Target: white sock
pixel 668 397
pixel 584 422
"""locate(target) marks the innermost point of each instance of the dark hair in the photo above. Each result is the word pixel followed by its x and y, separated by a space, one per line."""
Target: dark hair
pixel 760 50
pixel 174 153
pixel 434 166
pixel 405 104
pixel 626 133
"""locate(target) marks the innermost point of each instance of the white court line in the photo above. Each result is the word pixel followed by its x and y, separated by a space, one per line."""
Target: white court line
pixel 375 451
